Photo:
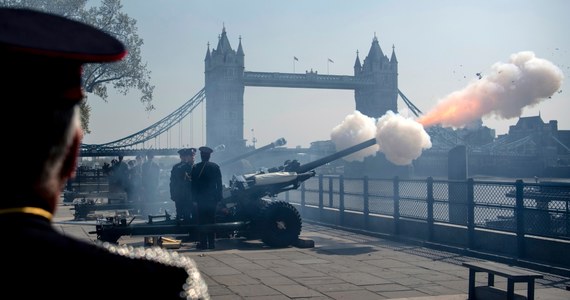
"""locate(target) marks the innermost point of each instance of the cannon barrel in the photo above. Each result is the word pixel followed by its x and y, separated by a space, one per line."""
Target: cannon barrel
pixel 277 143
pixel 325 160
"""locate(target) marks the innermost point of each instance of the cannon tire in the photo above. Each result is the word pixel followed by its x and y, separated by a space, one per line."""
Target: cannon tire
pixel 109 237
pixel 281 224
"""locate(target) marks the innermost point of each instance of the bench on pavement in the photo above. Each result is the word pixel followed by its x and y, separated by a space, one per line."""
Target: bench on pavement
pixel 511 273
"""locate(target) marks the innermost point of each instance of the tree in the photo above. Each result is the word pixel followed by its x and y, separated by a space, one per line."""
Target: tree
pixel 129 73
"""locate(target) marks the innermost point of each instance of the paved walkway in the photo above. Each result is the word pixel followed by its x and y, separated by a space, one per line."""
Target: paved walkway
pixel 342 265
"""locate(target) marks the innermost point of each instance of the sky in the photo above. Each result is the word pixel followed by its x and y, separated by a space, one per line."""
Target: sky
pixel 440 46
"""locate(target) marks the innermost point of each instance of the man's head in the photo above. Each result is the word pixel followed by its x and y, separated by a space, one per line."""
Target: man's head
pixel 187 154
pixel 41 56
pixel 205 153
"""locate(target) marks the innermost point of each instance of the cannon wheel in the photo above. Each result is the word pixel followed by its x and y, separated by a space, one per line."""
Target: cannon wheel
pixel 109 237
pixel 281 224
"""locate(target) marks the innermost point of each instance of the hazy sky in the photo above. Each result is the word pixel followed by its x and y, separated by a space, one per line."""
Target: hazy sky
pixel 440 46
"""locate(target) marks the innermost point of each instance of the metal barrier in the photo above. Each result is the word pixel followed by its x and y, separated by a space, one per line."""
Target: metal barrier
pixel 517 209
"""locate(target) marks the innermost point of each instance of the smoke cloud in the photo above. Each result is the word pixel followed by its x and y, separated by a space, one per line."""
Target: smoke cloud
pixel 524 81
pixel 400 139
pixel 355 129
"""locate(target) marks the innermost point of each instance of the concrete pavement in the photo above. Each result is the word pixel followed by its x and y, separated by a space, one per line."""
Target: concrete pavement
pixel 342 265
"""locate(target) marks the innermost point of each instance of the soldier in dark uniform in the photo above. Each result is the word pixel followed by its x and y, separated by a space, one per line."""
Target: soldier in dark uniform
pixel 41 58
pixel 207 192
pixel 180 186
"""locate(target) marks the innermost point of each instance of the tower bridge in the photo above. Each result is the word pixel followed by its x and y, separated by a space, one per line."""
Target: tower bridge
pixel 375 83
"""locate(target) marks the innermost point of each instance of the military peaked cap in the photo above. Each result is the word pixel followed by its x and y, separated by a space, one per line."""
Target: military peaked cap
pixel 187 151
pixel 206 150
pixel 51 48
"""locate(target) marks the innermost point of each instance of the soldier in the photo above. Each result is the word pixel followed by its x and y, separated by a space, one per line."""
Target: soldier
pixel 180 186
pixel 207 192
pixel 42 56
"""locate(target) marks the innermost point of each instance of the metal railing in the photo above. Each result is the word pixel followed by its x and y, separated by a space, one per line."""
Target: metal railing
pixel 517 209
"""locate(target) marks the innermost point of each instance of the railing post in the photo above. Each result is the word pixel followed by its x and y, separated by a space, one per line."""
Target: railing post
pixel 470 214
pixel 321 205
pixel 79 175
pixel 430 208
pixel 69 184
pixel 396 205
pixel 330 192
pixel 341 198
pixel 520 213
pixel 97 177
pixel 366 202
pixel 303 189
pixel 567 219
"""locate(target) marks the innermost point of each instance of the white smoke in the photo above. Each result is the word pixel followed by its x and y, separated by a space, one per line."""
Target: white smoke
pixel 524 81
pixel 355 129
pixel 400 139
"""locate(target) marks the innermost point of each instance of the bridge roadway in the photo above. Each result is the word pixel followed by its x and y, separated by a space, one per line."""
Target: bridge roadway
pixel 342 265
pixel 128 152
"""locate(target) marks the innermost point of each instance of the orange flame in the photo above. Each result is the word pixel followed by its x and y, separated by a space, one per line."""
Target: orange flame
pixel 455 111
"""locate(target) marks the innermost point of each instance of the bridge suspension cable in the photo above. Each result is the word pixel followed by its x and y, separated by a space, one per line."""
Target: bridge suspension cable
pixel 410 105
pixel 153 130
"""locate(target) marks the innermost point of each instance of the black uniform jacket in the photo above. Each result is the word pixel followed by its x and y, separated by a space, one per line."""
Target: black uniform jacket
pixel 42 263
pixel 180 181
pixel 207 184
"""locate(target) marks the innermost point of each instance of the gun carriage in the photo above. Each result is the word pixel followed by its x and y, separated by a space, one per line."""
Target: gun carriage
pixel 247 210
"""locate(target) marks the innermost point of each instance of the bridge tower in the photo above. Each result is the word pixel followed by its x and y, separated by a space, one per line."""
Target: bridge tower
pixel 375 100
pixel 224 89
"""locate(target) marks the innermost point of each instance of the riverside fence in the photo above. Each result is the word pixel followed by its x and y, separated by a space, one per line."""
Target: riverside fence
pixel 518 220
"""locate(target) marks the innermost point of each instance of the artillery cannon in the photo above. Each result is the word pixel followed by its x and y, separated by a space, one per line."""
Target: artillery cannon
pixel 247 209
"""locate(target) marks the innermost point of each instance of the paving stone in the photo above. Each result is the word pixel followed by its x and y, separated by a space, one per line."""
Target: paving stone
pixel 219 290
pixel 217 271
pixel 438 290
pixel 360 278
pixel 230 280
pixel 255 256
pixel 276 280
pixel 316 281
pixel 334 287
pixel 403 294
pixel 389 287
pixel 297 291
pixel 298 272
pixel 412 281
pixel 253 290
pixel 313 261
pixel 272 297
pixel 351 295
pixel 260 273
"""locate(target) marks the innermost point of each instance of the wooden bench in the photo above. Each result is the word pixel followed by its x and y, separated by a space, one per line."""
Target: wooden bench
pixel 511 273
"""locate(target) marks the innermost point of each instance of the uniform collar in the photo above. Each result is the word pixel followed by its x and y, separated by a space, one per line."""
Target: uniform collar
pixel 27 210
